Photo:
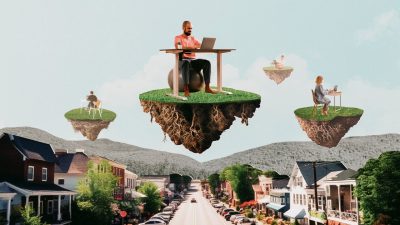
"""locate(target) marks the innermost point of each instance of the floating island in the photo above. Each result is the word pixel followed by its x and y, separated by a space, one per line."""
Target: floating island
pixel 328 130
pixel 200 120
pixel 278 74
pixel 89 125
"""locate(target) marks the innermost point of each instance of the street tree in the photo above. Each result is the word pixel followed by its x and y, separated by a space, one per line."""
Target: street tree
pixel 239 176
pixel 214 182
pixel 378 190
pixel 153 202
pixel 95 194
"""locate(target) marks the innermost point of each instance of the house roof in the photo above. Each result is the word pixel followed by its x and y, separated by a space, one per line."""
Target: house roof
pixel 31 188
pixel 322 168
pixel 72 163
pixel 32 149
pixel 348 174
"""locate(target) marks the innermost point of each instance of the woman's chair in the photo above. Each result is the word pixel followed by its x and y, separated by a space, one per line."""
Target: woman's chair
pixel 316 103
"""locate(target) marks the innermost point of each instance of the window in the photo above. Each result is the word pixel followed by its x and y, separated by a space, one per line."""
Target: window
pixel 31 173
pixel 30 204
pixel 50 206
pixel 61 181
pixel 41 207
pixel 44 174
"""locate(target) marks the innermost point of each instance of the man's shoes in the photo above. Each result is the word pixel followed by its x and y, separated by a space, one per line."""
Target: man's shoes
pixel 186 90
pixel 209 90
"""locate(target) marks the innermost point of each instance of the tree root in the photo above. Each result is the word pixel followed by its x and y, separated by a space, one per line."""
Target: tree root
pixel 89 129
pixel 196 126
pixel 328 133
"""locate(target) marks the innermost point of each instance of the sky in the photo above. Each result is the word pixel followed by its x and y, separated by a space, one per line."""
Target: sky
pixel 52 53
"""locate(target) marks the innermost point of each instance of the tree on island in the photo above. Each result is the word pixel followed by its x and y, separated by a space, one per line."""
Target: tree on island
pixel 378 190
pixel 95 195
pixel 153 202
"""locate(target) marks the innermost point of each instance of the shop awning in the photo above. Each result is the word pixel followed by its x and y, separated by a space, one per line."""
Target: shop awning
pixel 295 213
pixel 275 207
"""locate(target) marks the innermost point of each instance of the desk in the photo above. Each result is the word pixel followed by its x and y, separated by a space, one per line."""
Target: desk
pixel 334 94
pixel 175 80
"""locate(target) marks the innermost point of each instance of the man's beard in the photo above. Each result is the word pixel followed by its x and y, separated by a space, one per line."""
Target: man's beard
pixel 188 33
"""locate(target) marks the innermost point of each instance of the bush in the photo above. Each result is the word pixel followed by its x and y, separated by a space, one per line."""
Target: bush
pixel 274 222
pixel 29 217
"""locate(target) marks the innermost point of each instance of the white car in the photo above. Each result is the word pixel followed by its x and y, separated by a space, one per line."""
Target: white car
pixel 218 205
pixel 235 217
pixel 154 221
pixel 164 216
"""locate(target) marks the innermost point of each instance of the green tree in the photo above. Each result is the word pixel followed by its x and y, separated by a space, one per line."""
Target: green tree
pixel 186 181
pixel 378 190
pixel 153 200
pixel 214 182
pixel 29 217
pixel 95 194
pixel 239 176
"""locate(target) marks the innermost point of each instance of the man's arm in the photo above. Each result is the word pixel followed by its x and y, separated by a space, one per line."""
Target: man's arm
pixel 176 40
pixel 196 43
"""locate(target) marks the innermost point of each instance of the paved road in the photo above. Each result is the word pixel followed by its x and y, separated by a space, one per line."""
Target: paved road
pixel 200 213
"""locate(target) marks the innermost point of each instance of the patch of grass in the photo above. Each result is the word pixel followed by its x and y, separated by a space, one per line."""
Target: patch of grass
pixel 274 68
pixel 306 113
pixel 83 114
pixel 200 97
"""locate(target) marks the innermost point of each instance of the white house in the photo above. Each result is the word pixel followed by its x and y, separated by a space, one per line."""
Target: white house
pixel 301 184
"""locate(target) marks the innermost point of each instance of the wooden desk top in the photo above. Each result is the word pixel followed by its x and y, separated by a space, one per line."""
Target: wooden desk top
pixel 334 93
pixel 175 51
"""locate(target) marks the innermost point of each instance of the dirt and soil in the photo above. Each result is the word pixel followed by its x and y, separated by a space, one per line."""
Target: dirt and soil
pixel 89 129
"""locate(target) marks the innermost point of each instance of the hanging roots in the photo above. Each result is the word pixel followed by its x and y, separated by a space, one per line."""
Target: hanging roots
pixel 328 133
pixel 196 126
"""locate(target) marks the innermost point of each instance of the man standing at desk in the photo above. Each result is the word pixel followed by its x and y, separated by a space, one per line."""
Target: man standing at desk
pixel 189 60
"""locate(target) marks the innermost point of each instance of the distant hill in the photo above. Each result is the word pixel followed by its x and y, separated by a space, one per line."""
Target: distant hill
pixel 352 151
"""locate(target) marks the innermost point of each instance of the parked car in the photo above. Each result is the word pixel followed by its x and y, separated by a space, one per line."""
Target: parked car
pixel 164 216
pixel 159 218
pixel 154 222
pixel 218 205
pixel 193 200
pixel 225 211
pixel 168 209
pixel 219 210
pixel 245 221
pixel 229 214
pixel 176 201
pixel 235 217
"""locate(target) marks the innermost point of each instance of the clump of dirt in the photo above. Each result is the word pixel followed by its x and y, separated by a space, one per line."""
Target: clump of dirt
pixel 278 75
pixel 196 126
pixel 89 129
pixel 328 133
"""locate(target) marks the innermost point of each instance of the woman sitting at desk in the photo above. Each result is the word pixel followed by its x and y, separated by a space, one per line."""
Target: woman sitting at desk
pixel 320 93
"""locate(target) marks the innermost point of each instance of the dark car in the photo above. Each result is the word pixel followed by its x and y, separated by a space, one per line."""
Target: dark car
pixel 193 200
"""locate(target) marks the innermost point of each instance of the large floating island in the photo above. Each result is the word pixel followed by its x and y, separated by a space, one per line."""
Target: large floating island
pixel 200 120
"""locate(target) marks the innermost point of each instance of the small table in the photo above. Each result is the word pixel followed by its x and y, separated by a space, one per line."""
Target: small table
pixel 175 80
pixel 334 94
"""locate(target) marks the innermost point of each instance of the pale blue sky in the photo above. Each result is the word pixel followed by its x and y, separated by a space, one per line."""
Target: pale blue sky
pixel 53 52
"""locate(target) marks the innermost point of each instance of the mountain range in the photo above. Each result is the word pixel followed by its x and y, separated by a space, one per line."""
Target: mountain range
pixel 353 152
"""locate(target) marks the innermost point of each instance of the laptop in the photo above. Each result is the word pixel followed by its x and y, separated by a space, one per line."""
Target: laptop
pixel 207 43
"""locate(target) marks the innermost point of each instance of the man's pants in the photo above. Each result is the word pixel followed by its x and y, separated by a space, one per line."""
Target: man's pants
pixel 197 65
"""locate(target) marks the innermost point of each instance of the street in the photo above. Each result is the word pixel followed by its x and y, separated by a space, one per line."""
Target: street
pixel 200 213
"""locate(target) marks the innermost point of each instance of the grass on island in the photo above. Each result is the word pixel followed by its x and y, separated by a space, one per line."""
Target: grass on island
pixel 83 114
pixel 307 113
pixel 200 97
pixel 273 68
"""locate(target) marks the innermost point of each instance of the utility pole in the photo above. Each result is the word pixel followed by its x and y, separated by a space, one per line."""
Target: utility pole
pixel 315 186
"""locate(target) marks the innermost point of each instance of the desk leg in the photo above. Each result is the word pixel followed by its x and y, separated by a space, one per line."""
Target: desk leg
pixel 219 74
pixel 175 80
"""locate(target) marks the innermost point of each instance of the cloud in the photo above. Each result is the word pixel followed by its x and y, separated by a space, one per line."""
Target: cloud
pixel 386 24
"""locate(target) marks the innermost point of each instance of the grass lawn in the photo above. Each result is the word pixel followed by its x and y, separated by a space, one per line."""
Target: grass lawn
pixel 200 97
pixel 272 68
pixel 77 114
pixel 306 113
